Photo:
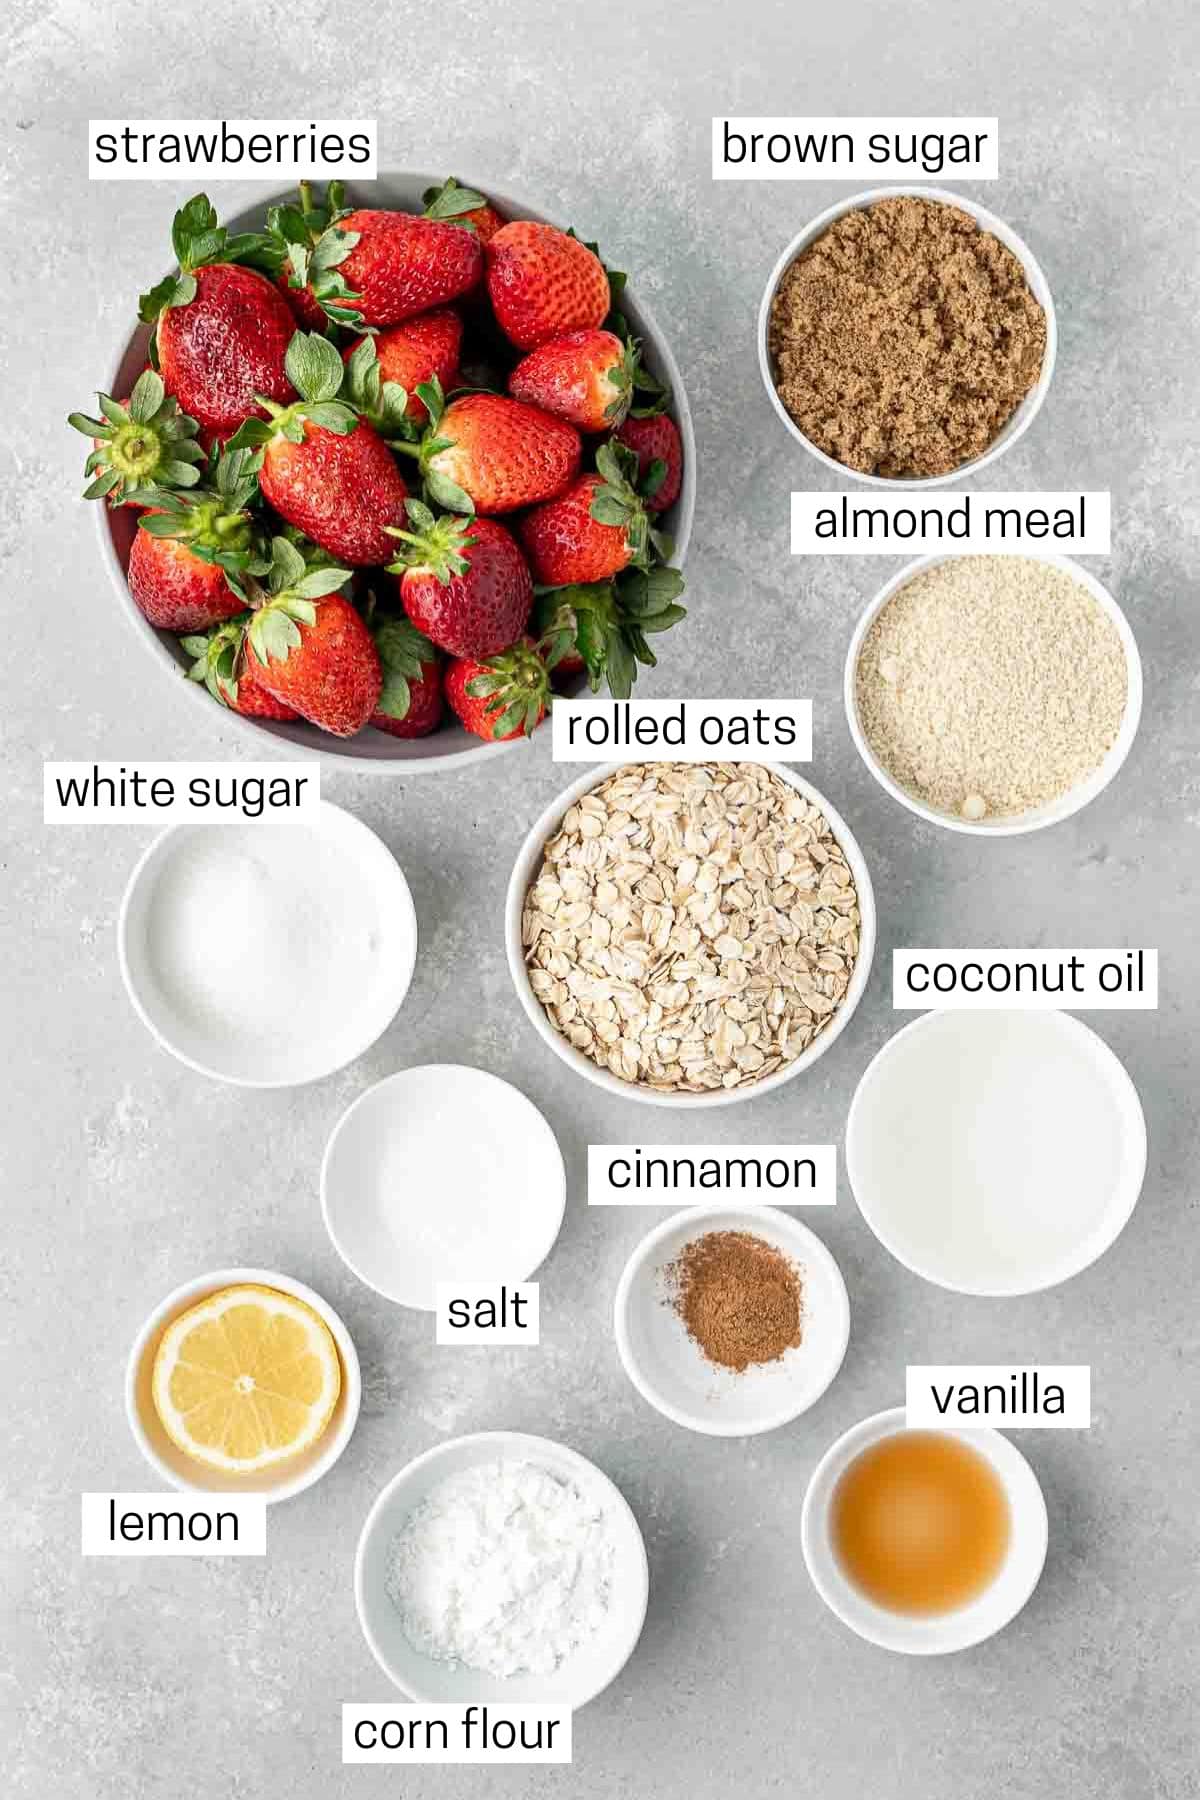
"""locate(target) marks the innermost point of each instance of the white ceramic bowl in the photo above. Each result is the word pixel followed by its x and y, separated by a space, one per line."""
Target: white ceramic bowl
pixel 1025 413
pixel 441 1173
pixel 668 1369
pixel 1038 817
pixel 585 1673
pixel 371 865
pixel 966 1625
pixel 169 1462
pixel 524 870
pixel 374 751
pixel 898 1145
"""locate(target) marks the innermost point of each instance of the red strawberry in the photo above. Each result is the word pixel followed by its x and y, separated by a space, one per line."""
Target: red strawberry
pixel 386 266
pixel 596 529
pixel 220 350
pixel 139 441
pixel 543 282
pixel 410 705
pixel 173 587
pixel 495 455
pixel 566 543
pixel 655 441
pixel 463 206
pixel 194 548
pixel 505 697
pixel 463 582
pixel 309 649
pixel 252 699
pixel 343 491
pixel 218 662
pixel 325 470
pixel 584 376
pixel 416 351
pixel 221 330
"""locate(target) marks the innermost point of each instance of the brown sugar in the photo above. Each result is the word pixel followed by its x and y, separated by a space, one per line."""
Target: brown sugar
pixel 739 1297
pixel 904 338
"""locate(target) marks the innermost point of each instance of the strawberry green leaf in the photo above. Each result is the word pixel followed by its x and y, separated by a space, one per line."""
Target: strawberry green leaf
pixel 92 428
pixel 287 565
pixel 451 200
pixel 510 719
pixel 436 544
pixel 431 394
pixel 313 366
pixel 251 435
pixel 663 621
pixel 331 249
pixel 272 635
pixel 652 480
pixel 319 582
pixel 619 665
pixel 645 592
pixel 181 474
pixel 406 655
pixel 104 484
pixel 332 415
pixel 147 396
pixel 447 493
pixel 175 290
pixel 195 224
pixel 608 508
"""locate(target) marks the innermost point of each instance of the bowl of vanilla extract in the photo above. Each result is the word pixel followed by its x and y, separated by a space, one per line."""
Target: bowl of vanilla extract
pixel 923 1541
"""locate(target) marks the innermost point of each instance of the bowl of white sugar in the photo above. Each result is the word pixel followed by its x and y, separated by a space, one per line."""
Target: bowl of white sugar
pixel 268 953
pixel 993 694
pixel 501 1568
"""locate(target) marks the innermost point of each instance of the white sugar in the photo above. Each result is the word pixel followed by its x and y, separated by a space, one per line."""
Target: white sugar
pixel 262 936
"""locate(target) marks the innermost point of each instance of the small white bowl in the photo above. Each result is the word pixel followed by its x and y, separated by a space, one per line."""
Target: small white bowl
pixel 169 1462
pixel 588 1670
pixel 957 1064
pixel 528 858
pixel 1025 413
pixel 937 1634
pixel 369 865
pixel 669 1370
pixel 441 1173
pixel 1037 817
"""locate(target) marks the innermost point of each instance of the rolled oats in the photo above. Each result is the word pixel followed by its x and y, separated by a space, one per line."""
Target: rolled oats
pixel 692 926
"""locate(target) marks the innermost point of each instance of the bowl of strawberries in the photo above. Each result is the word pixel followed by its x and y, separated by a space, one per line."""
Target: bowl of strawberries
pixel 379 481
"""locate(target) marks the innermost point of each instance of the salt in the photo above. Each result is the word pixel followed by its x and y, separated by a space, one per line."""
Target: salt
pixel 503 1568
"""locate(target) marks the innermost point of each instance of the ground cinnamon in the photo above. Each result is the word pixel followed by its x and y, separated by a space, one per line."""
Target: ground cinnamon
pixel 740 1298
pixel 904 338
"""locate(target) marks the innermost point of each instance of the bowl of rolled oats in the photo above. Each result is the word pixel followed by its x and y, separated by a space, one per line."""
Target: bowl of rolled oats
pixel 690 934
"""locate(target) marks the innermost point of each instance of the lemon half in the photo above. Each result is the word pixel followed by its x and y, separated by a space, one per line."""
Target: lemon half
pixel 247 1378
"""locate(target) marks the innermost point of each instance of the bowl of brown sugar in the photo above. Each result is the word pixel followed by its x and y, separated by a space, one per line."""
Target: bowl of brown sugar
pixel 731 1320
pixel 907 337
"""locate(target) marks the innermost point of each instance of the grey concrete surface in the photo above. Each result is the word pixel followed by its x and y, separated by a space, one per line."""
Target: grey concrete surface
pixel 124 1174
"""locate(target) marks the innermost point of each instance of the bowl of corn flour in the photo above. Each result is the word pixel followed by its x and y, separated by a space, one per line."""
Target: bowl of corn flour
pixel 993 694
pixel 501 1568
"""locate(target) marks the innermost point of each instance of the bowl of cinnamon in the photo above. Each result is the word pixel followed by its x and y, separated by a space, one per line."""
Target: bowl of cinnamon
pixel 731 1320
